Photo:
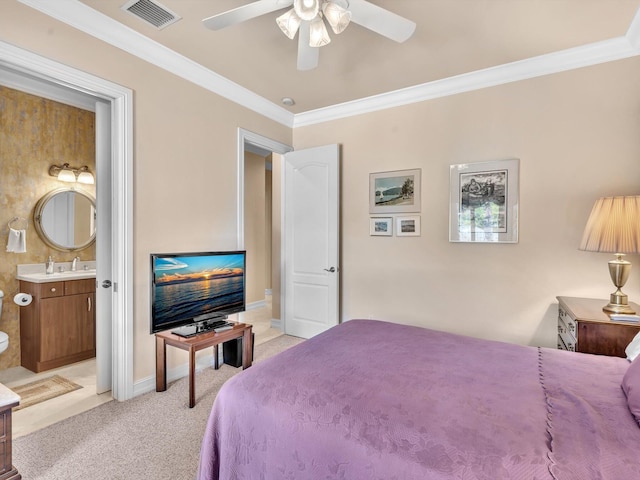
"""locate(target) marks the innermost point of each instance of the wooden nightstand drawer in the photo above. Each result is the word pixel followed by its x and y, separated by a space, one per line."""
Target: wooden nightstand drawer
pixel 566 342
pixel 584 327
pixel 566 324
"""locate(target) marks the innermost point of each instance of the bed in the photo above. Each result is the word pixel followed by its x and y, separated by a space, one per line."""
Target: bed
pixel 376 400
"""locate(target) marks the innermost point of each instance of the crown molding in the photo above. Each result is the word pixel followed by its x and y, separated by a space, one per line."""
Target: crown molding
pixel 84 18
pixel 564 60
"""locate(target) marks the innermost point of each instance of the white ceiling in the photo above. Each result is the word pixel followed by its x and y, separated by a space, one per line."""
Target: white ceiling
pixel 458 45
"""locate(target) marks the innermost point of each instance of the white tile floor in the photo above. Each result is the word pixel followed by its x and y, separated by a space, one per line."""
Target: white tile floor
pixel 83 373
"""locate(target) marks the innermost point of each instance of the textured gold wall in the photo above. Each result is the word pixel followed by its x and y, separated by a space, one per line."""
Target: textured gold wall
pixel 34 134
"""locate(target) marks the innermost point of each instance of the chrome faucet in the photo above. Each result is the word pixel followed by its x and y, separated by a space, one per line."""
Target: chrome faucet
pixel 74 264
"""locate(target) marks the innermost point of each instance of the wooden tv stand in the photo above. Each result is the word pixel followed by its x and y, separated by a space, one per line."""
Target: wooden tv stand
pixel 194 344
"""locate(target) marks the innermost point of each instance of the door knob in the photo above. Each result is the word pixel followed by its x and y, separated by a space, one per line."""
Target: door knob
pixel 106 283
pixel 330 270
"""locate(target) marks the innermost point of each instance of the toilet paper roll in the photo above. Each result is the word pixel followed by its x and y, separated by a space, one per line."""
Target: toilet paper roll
pixel 22 299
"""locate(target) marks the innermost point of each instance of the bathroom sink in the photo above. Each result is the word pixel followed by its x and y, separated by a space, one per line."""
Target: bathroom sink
pixel 57 276
pixel 89 271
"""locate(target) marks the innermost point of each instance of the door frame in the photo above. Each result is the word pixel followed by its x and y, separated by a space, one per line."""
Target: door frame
pixel 246 140
pixel 121 100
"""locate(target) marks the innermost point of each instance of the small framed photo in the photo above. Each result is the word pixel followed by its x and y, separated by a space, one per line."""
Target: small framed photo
pixel 381 226
pixel 408 226
pixel 483 203
pixel 394 192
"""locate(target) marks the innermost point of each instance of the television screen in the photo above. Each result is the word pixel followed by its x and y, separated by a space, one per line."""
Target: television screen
pixel 188 288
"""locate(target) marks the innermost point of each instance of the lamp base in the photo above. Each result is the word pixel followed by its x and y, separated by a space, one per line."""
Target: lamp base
pixel 618 303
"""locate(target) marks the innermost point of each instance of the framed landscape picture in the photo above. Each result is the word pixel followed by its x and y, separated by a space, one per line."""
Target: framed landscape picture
pixel 394 192
pixel 381 226
pixel 408 226
pixel 483 203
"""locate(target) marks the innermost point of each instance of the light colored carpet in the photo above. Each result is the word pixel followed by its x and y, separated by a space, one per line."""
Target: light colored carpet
pixel 44 389
pixel 153 436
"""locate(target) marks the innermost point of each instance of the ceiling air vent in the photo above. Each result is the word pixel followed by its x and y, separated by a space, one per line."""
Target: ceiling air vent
pixel 151 12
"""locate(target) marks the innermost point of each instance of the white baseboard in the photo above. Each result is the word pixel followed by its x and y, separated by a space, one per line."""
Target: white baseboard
pixel 267 291
pixel 276 323
pixel 254 305
pixel 148 384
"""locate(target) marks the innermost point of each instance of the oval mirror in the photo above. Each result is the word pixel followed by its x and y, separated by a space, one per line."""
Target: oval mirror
pixel 65 219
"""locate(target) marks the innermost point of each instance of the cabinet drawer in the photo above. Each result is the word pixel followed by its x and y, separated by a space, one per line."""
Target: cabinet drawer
pixel 567 325
pixel 566 342
pixel 51 289
pixel 74 287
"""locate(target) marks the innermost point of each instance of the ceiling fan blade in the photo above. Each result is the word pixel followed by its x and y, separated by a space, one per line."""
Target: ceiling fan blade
pixel 307 56
pixel 381 21
pixel 245 12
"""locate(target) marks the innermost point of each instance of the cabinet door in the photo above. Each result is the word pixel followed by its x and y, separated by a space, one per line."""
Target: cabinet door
pixel 605 339
pixel 67 326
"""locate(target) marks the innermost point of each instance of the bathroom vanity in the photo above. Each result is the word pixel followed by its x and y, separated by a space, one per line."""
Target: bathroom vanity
pixel 59 326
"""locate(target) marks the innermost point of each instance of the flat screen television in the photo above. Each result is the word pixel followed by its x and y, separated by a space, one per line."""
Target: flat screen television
pixel 194 290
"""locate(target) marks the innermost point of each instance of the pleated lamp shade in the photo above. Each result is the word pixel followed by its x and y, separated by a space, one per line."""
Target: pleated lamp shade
pixel 613 226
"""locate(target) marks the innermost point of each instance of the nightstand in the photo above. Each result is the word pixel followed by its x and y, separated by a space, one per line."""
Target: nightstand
pixel 584 327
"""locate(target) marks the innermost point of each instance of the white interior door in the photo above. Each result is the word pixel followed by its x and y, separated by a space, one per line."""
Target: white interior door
pixel 311 240
pixel 104 296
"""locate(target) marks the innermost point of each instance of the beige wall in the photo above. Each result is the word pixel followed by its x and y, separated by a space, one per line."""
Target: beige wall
pixel 35 133
pixel 254 226
pixel 577 137
pixel 185 151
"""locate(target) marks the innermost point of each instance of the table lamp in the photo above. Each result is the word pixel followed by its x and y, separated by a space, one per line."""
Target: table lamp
pixel 614 227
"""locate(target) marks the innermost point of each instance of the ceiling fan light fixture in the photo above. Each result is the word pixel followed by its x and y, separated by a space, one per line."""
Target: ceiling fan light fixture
pixel 318 35
pixel 338 17
pixel 289 23
pixel 306 9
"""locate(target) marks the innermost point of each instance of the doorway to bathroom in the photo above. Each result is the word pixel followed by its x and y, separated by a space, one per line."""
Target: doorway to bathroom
pixel 113 107
pixel 46 126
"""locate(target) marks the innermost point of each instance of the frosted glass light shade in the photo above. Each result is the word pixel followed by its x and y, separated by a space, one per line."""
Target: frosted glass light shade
pixel 318 36
pixel 66 175
pixel 289 23
pixel 338 17
pixel 613 226
pixel 86 178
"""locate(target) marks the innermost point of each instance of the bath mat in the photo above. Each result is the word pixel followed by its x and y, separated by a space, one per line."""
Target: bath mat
pixel 44 389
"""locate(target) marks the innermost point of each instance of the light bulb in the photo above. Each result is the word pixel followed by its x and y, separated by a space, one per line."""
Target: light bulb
pixel 306 9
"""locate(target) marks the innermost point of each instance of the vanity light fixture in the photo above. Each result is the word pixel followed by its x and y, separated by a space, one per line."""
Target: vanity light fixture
pixel 65 173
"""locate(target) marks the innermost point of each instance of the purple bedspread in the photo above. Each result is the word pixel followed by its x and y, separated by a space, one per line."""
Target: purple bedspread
pixel 375 400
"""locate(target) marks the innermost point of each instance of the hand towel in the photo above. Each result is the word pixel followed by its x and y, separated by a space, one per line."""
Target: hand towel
pixel 17 242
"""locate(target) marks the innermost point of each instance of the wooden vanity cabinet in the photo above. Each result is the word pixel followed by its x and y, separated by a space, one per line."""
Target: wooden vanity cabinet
pixel 59 326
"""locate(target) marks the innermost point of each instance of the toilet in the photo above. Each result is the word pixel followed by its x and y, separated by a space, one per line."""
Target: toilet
pixel 4 338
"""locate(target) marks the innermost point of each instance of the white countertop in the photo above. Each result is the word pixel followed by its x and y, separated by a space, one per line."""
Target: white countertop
pixel 36 272
pixel 57 277
pixel 7 396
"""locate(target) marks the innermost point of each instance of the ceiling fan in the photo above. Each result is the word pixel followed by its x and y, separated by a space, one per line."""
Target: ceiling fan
pixel 307 19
